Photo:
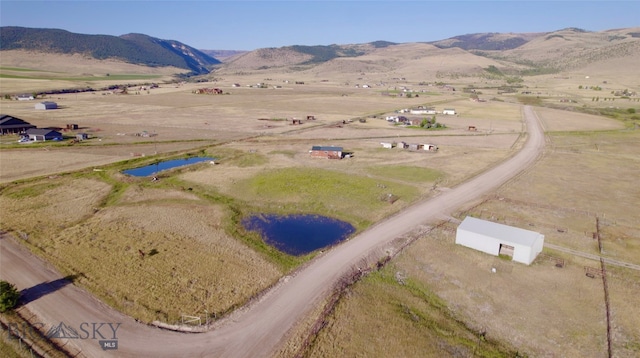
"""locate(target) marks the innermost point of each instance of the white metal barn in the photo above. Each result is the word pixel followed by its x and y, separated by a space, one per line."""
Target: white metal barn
pixel 495 239
pixel 46 105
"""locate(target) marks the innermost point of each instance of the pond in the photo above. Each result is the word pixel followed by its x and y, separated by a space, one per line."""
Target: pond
pixel 299 234
pixel 164 165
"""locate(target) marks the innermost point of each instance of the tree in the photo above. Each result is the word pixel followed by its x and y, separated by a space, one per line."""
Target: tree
pixel 9 296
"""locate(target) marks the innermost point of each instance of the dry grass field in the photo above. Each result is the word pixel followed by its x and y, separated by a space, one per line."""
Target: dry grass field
pixel 30 72
pixel 538 310
pixel 156 249
pixel 84 207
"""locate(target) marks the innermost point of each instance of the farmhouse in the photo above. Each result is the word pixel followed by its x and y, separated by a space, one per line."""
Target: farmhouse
pixel 497 239
pixel 329 152
pixel 38 134
pixel 25 97
pixel 422 110
pixel 13 125
pixel 46 105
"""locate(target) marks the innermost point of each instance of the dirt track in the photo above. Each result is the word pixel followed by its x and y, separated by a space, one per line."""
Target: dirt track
pixel 257 330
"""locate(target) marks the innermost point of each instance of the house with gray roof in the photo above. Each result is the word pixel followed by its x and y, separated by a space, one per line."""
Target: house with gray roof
pixel 43 134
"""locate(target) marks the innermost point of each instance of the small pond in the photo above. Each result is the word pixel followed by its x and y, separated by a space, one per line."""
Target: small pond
pixel 164 165
pixel 299 234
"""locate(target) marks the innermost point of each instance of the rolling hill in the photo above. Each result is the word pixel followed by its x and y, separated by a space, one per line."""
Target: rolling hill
pixel 132 48
pixel 515 54
pixel 505 54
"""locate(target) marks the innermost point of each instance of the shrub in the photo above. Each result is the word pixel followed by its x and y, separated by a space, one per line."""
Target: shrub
pixel 9 296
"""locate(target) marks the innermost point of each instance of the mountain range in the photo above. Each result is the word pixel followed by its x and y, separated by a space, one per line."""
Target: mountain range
pixel 499 53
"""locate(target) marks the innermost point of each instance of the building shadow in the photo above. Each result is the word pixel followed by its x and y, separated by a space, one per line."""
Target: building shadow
pixel 42 289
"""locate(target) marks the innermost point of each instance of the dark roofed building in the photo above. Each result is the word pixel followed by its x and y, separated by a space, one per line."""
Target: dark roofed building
pixel 41 134
pixel 330 152
pixel 13 125
pixel 47 105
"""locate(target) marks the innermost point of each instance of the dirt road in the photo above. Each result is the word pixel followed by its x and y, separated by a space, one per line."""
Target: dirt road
pixel 257 330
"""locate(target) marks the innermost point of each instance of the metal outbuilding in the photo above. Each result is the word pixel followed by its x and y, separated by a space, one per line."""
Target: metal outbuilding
pixel 46 105
pixel 497 239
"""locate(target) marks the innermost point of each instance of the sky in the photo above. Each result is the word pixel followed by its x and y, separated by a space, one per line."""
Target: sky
pixel 249 25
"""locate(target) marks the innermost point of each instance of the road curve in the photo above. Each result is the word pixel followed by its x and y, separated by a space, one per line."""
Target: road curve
pixel 258 330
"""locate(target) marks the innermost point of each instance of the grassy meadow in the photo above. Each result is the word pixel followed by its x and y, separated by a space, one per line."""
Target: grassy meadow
pixel 149 248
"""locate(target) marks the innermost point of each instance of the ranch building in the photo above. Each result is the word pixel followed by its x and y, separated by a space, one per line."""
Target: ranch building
pixel 25 97
pixel 497 239
pixel 330 152
pixel 449 111
pixel 41 134
pixel 46 105
pixel 13 125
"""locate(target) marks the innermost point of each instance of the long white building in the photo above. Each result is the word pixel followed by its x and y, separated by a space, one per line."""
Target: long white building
pixel 495 239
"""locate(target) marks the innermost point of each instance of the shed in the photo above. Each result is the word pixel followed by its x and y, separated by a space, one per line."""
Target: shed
pixel 330 152
pixel 449 111
pixel 497 239
pixel 46 105
pixel 13 125
pixel 41 134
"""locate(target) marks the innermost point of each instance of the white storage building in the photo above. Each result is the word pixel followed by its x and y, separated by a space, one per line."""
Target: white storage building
pixel 46 105
pixel 495 239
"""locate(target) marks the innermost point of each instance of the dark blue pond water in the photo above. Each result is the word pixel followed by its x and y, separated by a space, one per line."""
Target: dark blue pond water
pixel 167 164
pixel 299 234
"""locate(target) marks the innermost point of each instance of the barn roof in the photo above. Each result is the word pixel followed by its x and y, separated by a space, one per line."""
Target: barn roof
pixel 499 231
pixel 326 148
pixel 43 131
pixel 7 121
